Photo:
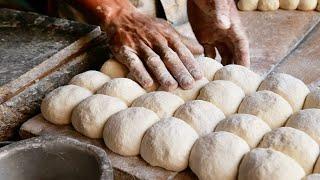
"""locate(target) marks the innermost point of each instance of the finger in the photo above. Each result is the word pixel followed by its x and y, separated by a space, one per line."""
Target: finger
pixel 192 45
pixel 210 51
pixel 225 53
pixel 241 46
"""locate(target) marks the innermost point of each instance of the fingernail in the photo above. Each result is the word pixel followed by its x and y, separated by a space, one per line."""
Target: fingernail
pixel 186 82
pixel 170 85
pixel 223 22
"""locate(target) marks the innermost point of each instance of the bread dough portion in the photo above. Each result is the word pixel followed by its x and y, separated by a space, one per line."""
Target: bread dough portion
pixel 161 102
pixel 313 100
pixel 266 164
pixel 114 69
pixel 290 88
pixel 168 143
pixel 89 117
pixel 226 95
pixel 92 80
pixel 202 116
pixel 217 156
pixel 248 127
pixel 312 177
pixel 191 94
pixel 294 143
pixel 268 5
pixel 289 4
pixel 307 5
pixel 308 121
pixel 209 66
pixel 248 5
pixel 122 88
pixel 123 131
pixel 57 106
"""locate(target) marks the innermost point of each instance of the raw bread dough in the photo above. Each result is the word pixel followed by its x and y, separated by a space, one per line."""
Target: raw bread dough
pixel 294 143
pixel 248 5
pixel 161 102
pixel 290 88
pixel 57 106
pixel 308 121
pixel 268 5
pixel 307 5
pixel 154 86
pixel 312 177
pixel 289 4
pixel 89 117
pixel 267 164
pixel 122 88
pixel 123 131
pixel 267 105
pixel 241 76
pixel 92 80
pixel 224 94
pixel 247 126
pixel 209 66
pixel 114 69
pixel 313 100
pixel 168 143
pixel 217 156
pixel 191 94
pixel 202 116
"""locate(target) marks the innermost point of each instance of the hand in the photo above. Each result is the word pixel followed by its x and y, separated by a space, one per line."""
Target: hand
pixel 216 24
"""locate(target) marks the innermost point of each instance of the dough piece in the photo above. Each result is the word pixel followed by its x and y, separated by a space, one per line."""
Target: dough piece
pixel 290 88
pixel 248 127
pixel 241 76
pixel 248 5
pixel 191 94
pixel 57 106
pixel 168 143
pixel 312 100
pixel 217 156
pixel 267 105
pixel 202 116
pixel 154 86
pixel 123 131
pixel 92 80
pixel 307 5
pixel 294 143
pixel 122 88
pixel 89 117
pixel 161 102
pixel 209 66
pixel 312 177
pixel 289 4
pixel 114 69
pixel 224 94
pixel 308 121
pixel 267 164
pixel 268 5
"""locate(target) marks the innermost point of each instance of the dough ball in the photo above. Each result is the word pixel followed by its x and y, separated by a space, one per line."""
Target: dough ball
pixel 307 5
pixel 191 94
pixel 209 66
pixel 248 127
pixel 161 102
pixel 308 121
pixel 123 131
pixel 241 76
pixel 289 4
pixel 312 100
pixel 168 143
pixel 202 116
pixel 268 5
pixel 224 94
pixel 294 143
pixel 57 106
pixel 312 177
pixel 290 88
pixel 154 86
pixel 92 80
pixel 122 88
pixel 217 156
pixel 267 164
pixel 89 117
pixel 267 105
pixel 114 69
pixel 248 5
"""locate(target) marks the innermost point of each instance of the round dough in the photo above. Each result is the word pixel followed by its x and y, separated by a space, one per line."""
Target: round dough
pixel 209 66
pixel 267 164
pixel 123 131
pixel 241 76
pixel 248 127
pixel 122 88
pixel 308 121
pixel 268 5
pixel 161 102
pixel 217 156
pixel 92 80
pixel 307 5
pixel 191 94
pixel 114 69
pixel 224 94
pixel 294 143
pixel 312 177
pixel 267 105
pixel 202 116
pixel 313 100
pixel 290 88
pixel 248 5
pixel 168 143
pixel 57 106
pixel 289 4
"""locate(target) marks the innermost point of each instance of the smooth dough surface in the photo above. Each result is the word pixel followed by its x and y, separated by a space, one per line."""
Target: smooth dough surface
pixel 313 100
pixel 114 69
pixel 123 131
pixel 168 143
pixel 161 102
pixel 248 5
pixel 92 80
pixel 307 5
pixel 201 115
pixel 90 115
pixel 191 94
pixel 226 95
pixel 289 4
pixel 247 126
pixel 268 106
pixel 294 143
pixel 268 5
pixel 209 66
pixel 267 164
pixel 312 177
pixel 57 106
pixel 217 156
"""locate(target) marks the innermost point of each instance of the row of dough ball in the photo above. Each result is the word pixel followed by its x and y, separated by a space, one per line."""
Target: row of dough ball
pixel 271 5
